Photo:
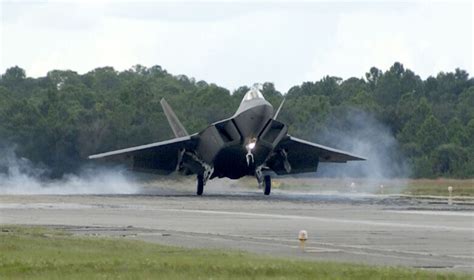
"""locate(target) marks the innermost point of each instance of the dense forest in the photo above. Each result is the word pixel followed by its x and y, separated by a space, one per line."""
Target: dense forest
pixel 58 120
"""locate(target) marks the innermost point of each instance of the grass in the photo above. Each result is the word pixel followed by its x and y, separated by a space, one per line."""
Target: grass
pixel 440 187
pixel 38 253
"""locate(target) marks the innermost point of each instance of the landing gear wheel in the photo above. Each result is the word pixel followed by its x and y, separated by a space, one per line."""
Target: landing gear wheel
pixel 200 184
pixel 267 180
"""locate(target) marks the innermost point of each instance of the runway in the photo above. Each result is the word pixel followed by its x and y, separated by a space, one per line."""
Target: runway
pixel 356 228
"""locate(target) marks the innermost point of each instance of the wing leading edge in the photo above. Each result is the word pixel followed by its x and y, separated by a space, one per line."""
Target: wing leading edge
pixel 326 154
pixel 160 157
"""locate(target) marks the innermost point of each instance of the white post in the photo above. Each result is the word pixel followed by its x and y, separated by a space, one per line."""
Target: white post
pixel 450 198
pixel 353 185
pixel 302 237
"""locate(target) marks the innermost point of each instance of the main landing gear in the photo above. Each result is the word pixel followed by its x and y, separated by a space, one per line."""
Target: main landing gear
pixel 267 184
pixel 263 180
pixel 200 184
pixel 203 178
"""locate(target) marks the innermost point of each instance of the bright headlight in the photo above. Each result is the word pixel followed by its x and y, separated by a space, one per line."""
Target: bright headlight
pixel 251 145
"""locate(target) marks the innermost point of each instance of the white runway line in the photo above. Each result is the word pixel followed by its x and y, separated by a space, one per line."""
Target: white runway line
pixel 350 247
pixel 320 247
pixel 55 206
pixel 319 219
pixel 436 213
pixel 264 215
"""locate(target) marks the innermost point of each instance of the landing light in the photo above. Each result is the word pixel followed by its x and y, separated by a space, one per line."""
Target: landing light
pixel 251 145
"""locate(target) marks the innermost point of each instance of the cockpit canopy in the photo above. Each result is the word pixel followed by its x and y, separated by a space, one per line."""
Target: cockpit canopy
pixel 252 94
pixel 252 99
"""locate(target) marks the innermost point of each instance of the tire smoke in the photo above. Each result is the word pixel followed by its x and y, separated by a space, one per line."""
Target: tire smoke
pixel 20 176
pixel 362 134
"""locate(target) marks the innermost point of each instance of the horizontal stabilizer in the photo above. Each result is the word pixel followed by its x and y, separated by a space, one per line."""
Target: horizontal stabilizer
pixel 176 126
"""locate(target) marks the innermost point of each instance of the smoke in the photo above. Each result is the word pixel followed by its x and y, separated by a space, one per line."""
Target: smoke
pixel 362 134
pixel 20 176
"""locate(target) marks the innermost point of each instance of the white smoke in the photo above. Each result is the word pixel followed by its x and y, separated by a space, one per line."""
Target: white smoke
pixel 19 176
pixel 363 135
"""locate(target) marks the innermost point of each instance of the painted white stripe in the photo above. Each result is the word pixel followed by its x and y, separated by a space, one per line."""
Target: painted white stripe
pixel 53 206
pixel 319 219
pixel 336 246
pixel 436 213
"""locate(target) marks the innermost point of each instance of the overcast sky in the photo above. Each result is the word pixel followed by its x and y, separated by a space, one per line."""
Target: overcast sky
pixel 237 43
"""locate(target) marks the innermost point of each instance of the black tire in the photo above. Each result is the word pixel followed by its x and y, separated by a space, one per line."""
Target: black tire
pixel 267 180
pixel 200 184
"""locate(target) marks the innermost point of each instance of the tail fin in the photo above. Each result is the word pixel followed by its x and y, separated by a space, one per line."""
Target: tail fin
pixel 176 126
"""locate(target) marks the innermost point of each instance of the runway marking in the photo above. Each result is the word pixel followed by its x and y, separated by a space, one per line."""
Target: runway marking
pixel 309 249
pixel 345 246
pixel 322 248
pixel 436 213
pixel 66 206
pixel 312 247
pixel 319 219
pixel 54 206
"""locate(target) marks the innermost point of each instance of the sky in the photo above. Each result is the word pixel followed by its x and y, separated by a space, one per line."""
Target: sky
pixel 233 43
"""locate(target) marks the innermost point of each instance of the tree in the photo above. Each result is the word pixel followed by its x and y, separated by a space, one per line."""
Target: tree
pixel 373 77
pixel 470 133
pixel 456 133
pixel 450 159
pixel 13 75
pixel 59 119
pixel 412 115
pixel 465 106
pixel 432 133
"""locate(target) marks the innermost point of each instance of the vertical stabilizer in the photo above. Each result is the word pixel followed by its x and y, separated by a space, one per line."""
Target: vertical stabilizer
pixel 279 108
pixel 176 126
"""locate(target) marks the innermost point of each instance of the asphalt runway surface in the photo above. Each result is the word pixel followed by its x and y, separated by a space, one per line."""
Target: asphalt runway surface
pixel 346 227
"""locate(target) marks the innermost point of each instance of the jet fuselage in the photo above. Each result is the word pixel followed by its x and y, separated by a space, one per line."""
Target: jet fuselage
pixel 232 160
pixel 240 145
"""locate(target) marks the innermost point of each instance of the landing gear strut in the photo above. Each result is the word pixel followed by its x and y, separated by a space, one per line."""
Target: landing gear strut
pixel 264 180
pixel 267 181
pixel 203 177
pixel 200 184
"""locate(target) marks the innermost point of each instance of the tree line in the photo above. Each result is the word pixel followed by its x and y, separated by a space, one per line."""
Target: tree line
pixel 60 119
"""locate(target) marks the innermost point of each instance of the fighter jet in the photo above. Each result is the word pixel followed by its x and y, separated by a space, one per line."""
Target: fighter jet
pixel 250 143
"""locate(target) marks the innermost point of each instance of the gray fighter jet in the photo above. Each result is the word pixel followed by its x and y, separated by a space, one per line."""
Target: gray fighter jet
pixel 250 143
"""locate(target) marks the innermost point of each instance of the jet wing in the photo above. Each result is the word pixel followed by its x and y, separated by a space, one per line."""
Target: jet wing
pixel 294 155
pixel 325 154
pixel 160 157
